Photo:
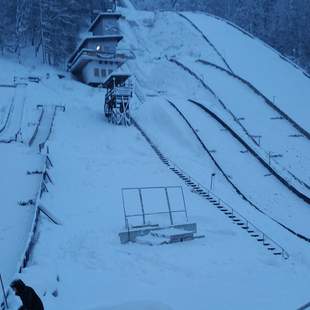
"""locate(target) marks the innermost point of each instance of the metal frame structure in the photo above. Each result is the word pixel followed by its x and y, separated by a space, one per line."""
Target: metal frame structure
pixel 143 214
pixel 117 98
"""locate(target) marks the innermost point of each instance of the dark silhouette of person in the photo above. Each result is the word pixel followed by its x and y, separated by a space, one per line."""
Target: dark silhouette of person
pixel 29 298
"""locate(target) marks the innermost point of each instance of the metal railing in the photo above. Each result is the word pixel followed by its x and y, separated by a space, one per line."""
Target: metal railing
pixel 143 213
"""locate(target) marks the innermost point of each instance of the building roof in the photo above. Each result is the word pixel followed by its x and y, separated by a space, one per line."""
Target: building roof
pixel 103 15
pixel 84 41
pixel 118 77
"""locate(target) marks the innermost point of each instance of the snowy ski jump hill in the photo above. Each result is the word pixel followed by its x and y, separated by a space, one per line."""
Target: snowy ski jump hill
pixel 211 101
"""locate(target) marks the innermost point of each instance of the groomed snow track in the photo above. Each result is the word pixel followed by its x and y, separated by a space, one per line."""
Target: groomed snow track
pixel 300 236
pixel 208 41
pixel 280 178
pixel 6 118
pixel 245 33
pixel 217 202
pixel 301 130
pixel 13 123
pixel 44 127
pixel 232 73
pixel 207 87
pixel 239 139
pixel 270 104
pixel 31 141
pixel 264 43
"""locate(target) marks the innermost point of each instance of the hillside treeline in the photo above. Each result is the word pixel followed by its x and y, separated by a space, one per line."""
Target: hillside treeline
pixel 284 24
pixel 50 28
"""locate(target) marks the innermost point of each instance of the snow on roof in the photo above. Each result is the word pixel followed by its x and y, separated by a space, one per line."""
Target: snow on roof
pixel 102 15
pixel 119 77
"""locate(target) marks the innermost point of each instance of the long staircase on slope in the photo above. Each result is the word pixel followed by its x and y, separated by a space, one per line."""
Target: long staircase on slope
pixel 237 218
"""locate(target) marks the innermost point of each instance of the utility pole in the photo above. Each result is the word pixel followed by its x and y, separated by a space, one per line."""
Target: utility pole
pixel 211 181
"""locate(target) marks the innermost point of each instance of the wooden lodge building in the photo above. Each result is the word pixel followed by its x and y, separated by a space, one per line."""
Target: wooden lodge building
pixel 96 56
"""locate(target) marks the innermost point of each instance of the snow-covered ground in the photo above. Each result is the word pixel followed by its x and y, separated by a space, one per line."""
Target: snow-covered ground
pixel 81 264
pixel 89 171
pixel 15 220
pixel 276 78
pixel 277 135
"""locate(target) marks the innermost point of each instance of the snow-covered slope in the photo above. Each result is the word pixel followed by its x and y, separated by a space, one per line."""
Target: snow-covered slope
pixel 261 65
pixel 81 264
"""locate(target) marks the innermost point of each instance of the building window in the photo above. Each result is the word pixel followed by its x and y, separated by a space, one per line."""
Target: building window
pixel 103 72
pixel 96 71
pixel 110 71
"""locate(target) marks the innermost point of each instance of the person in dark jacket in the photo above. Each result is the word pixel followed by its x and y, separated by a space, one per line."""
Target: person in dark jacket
pixel 29 298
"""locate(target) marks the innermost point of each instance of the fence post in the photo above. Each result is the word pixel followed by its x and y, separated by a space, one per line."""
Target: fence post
pixel 169 207
pixel 142 206
pixel 4 295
